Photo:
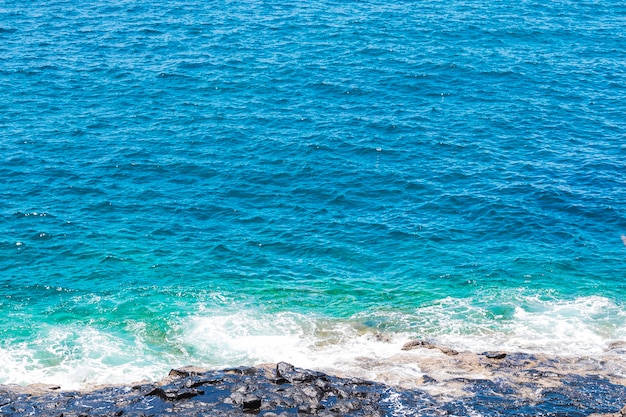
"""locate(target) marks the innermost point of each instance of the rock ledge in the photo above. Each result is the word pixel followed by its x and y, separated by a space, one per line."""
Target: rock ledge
pixel 529 387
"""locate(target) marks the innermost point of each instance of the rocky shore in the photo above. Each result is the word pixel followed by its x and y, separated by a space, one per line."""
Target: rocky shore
pixel 453 383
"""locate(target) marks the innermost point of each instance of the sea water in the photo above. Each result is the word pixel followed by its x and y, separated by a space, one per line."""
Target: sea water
pixel 235 182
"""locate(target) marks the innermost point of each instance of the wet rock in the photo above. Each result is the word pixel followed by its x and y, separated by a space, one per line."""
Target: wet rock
pixel 519 385
pixel 175 393
pixel 234 398
pixel 288 373
pixel 186 371
pixel 617 347
pixel 428 379
pixel 310 408
pixel 251 402
pixel 419 343
pixel 618 344
pixel 494 355
pixel 345 406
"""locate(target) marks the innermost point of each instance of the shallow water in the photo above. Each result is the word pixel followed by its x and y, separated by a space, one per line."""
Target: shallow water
pixel 244 182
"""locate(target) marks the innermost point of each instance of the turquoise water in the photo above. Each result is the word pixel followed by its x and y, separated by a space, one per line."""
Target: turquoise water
pixel 232 183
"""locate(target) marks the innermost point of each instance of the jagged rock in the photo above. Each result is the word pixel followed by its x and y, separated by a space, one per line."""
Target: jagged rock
pixel 174 393
pixel 251 402
pixel 428 379
pixel 418 343
pixel 494 355
pixel 345 406
pixel 288 391
pixel 310 408
pixel 287 372
pixel 617 347
pixel 187 371
pixel 617 344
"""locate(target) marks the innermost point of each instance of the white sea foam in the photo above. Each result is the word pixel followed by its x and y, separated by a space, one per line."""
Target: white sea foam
pixel 252 337
pixel 75 356
pixel 582 326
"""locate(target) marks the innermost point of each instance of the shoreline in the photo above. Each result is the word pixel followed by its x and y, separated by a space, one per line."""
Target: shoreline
pixel 452 383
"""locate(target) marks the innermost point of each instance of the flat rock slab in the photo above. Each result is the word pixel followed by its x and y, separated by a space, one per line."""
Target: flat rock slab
pixel 283 390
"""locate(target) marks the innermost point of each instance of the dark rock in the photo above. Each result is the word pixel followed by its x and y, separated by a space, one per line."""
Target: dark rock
pixel 312 391
pixel 494 355
pixel 287 372
pixel 287 391
pixel 235 398
pixel 345 406
pixel 242 370
pixel 173 393
pixel 310 408
pixel 428 380
pixel 196 381
pixel 187 371
pixel 251 402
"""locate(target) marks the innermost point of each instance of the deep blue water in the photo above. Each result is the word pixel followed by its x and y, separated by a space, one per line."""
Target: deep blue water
pixel 227 183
